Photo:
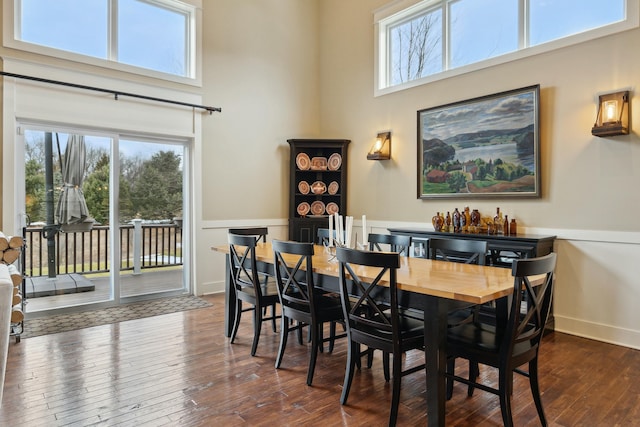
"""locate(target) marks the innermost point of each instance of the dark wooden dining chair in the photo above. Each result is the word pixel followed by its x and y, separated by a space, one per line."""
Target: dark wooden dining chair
pixel 377 325
pixel 259 232
pixel 389 242
pixel 513 342
pixel 302 301
pixel 458 250
pixel 249 287
pixel 467 252
pixel 323 236
pixel 463 251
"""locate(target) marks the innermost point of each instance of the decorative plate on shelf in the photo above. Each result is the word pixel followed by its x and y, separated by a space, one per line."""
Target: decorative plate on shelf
pixel 335 160
pixel 334 187
pixel 317 208
pixel 332 208
pixel 318 187
pixel 303 187
pixel 303 162
pixel 303 208
pixel 319 164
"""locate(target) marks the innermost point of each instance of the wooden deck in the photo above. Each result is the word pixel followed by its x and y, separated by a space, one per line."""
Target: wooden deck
pixel 149 282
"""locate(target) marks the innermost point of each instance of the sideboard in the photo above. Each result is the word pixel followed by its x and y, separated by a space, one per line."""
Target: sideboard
pixel 502 249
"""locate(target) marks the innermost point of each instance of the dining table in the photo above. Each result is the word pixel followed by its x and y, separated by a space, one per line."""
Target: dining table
pixel 433 286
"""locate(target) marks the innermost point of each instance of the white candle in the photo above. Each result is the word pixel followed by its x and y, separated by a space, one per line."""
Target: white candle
pixel 346 231
pixel 364 230
pixel 330 230
pixel 350 229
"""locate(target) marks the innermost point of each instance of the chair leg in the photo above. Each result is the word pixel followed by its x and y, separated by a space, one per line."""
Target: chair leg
pixel 236 322
pixel 320 336
pixel 474 373
pixel 316 342
pixel 257 329
pixel 332 336
pixel 353 353
pixel 451 369
pixel 535 390
pixel 284 334
pixel 370 358
pixel 395 394
pixel 299 332
pixel 505 397
pixel 273 317
pixel 385 364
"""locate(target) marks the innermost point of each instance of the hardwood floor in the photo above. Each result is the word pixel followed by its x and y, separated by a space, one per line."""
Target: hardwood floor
pixel 180 370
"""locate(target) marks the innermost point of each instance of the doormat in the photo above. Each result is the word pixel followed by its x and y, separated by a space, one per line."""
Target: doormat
pixel 86 319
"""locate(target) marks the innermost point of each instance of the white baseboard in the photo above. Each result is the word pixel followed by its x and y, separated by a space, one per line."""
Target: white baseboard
pixel 214 287
pixel 598 332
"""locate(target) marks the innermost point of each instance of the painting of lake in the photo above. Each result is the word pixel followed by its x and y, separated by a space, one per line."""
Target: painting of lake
pixel 481 147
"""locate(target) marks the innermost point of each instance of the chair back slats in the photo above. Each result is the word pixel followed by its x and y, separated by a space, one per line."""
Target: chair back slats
pixel 324 237
pixel 244 272
pixel 294 274
pixel 396 243
pixel 531 304
pixel 367 312
pixel 458 250
pixel 259 232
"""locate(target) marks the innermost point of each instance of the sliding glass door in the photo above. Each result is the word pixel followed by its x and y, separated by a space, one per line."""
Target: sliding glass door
pixel 104 217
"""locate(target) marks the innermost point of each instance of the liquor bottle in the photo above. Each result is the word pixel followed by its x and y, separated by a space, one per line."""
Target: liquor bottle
pixel 497 222
pixel 475 221
pixel 447 223
pixel 513 227
pixel 434 218
pixel 437 222
pixel 456 221
pixel 505 226
pixel 467 219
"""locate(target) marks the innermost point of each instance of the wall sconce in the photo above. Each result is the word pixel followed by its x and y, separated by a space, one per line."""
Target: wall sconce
pixel 381 150
pixel 613 115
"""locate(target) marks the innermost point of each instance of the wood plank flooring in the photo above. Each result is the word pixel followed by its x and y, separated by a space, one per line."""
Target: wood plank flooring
pixel 180 370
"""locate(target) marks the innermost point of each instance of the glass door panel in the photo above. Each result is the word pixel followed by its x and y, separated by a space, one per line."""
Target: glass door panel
pixel 67 247
pixel 150 217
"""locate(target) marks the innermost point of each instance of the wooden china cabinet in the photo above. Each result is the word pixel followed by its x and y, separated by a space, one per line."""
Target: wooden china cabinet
pixel 317 185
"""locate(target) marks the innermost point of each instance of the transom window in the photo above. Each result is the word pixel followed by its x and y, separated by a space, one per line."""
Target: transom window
pixel 154 35
pixel 422 41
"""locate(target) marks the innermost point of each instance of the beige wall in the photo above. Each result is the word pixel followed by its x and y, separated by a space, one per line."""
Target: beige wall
pixel 261 66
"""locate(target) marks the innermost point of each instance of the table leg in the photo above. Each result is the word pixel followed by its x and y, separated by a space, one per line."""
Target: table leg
pixel 435 339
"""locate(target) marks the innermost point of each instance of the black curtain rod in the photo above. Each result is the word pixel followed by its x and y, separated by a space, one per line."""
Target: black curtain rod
pixel 115 93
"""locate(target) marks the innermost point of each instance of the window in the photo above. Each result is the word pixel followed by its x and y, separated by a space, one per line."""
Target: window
pixel 153 35
pixel 426 40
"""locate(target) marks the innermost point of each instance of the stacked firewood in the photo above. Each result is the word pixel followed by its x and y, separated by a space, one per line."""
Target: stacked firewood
pixel 10 250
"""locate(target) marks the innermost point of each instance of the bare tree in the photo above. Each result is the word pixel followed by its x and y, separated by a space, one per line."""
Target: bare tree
pixel 416 44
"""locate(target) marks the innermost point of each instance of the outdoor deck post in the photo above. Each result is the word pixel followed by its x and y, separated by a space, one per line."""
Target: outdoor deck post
pixel 50 229
pixel 137 246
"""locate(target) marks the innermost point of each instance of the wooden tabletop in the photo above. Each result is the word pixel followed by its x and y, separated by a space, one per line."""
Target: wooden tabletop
pixel 463 282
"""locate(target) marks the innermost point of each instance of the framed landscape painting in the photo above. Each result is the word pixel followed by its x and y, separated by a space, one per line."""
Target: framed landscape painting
pixel 482 147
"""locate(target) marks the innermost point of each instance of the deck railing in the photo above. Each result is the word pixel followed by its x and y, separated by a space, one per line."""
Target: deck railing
pixel 141 246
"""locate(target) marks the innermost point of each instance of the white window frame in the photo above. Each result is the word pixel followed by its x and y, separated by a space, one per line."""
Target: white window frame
pixel 400 10
pixel 193 62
